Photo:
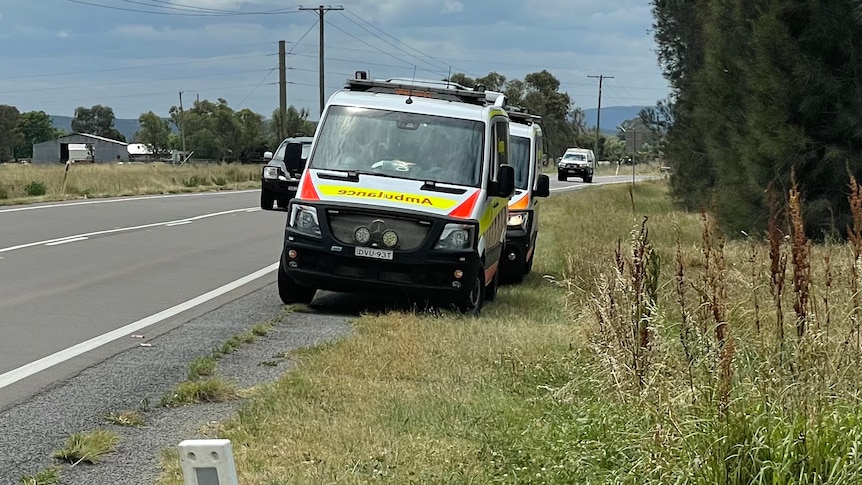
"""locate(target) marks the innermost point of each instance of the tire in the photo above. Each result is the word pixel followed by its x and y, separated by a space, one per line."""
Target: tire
pixel 561 177
pixel 469 301
pixel 491 290
pixel 282 203
pixel 290 292
pixel 588 179
pixel 266 200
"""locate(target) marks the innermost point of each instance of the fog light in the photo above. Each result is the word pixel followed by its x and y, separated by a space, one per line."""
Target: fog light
pixel 512 256
pixel 390 238
pixel 362 235
pixel 456 284
pixel 292 264
pixel 459 273
pixel 292 253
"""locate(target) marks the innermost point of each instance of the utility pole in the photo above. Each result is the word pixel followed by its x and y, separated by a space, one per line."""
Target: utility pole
pixel 282 90
pixel 601 78
pixel 182 124
pixel 321 11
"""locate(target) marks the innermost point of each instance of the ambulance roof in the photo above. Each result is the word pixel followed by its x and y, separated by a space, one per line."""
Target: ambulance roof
pixel 419 105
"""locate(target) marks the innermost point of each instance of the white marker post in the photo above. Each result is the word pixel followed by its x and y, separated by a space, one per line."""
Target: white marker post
pixel 207 462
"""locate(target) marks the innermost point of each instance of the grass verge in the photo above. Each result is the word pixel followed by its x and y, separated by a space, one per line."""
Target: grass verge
pixel 654 351
pixel 129 419
pixel 41 183
pixel 202 385
pixel 87 447
pixel 48 476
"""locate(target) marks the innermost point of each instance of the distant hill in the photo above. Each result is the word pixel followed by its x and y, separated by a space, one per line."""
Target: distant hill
pixel 128 127
pixel 612 116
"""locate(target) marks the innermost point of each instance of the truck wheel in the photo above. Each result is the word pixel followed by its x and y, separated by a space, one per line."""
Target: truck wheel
pixel 290 292
pixel 266 200
pixel 469 301
pixel 561 177
pixel 491 290
pixel 588 179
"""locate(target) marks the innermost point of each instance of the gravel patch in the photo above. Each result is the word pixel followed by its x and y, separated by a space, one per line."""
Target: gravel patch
pixel 137 379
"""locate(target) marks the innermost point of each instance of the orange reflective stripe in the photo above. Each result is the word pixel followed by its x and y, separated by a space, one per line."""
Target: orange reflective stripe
pixel 521 204
pixel 464 210
pixel 307 192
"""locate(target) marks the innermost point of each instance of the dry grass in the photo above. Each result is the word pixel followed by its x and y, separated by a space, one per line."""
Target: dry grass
pixel 112 180
pixel 87 447
pixel 653 350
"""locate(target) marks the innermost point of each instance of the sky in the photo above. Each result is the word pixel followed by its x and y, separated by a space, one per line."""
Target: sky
pixel 137 55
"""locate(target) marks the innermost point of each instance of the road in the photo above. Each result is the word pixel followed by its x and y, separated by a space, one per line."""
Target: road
pixel 78 279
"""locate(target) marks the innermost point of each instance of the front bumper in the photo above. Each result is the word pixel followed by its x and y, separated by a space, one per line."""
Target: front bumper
pixel 330 264
pixel 519 246
pixel 574 170
pixel 279 187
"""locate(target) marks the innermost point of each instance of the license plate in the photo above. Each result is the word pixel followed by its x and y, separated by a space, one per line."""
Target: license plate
pixel 374 253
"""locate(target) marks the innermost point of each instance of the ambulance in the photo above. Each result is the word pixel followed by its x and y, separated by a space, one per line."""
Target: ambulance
pixel 406 190
pixel 525 156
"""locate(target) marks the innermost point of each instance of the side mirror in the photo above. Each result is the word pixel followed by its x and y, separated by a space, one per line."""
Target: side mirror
pixel 267 156
pixel 505 185
pixel 543 186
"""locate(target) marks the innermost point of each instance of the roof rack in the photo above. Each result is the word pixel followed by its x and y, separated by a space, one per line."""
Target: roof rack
pixel 519 114
pixel 423 89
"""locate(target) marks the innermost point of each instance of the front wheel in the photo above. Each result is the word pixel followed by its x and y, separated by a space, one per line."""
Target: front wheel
pixel 266 199
pixel 588 179
pixel 290 292
pixel 491 290
pixel 561 177
pixel 469 301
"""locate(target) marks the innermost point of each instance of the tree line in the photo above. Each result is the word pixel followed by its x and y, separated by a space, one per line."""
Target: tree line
pixel 214 130
pixel 763 91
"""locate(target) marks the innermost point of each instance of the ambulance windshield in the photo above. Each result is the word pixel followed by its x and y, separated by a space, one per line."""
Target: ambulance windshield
pixel 519 157
pixel 398 144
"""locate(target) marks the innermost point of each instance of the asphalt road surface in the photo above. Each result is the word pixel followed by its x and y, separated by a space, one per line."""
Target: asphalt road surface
pixel 78 278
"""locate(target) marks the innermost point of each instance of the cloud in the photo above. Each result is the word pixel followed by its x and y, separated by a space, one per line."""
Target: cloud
pixel 452 6
pixel 63 34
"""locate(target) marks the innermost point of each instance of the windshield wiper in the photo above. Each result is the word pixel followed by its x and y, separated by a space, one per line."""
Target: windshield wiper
pixel 433 187
pixel 348 175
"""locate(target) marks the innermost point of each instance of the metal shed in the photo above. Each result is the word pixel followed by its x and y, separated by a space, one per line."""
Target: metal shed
pixel 103 150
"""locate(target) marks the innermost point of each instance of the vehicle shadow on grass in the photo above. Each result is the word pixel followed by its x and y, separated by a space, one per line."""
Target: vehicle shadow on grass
pixel 356 304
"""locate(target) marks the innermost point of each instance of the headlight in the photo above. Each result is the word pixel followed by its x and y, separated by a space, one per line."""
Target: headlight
pixel 518 219
pixel 456 236
pixel 270 173
pixel 303 218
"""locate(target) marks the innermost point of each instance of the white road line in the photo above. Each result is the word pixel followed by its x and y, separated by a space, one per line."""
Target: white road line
pixel 120 229
pixel 180 223
pixel 44 363
pixel 64 241
pixel 124 199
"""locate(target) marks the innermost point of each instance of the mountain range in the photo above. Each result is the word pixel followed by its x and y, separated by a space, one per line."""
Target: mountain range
pixel 612 116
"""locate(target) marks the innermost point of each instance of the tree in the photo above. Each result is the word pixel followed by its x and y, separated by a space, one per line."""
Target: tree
pixel 493 81
pixel 155 132
pixel 295 121
pixel 251 133
pixel 97 120
pixel 34 127
pixel 9 135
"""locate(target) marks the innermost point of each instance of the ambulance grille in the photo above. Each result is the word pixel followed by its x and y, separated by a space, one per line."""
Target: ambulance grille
pixel 411 233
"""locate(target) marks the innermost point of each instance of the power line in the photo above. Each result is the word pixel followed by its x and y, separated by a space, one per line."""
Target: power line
pixel 118 83
pixel 175 14
pixel 407 64
pixel 445 66
pixel 295 45
pixel 146 66
pixel 174 5
pixel 448 65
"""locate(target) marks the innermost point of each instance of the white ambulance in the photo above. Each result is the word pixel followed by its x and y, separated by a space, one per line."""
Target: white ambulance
pixel 525 156
pixel 406 190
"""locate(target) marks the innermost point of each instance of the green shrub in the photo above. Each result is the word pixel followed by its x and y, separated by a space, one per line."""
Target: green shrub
pixel 35 189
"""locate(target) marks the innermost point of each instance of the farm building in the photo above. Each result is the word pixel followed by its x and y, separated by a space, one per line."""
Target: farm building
pixel 104 150
pixel 139 152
